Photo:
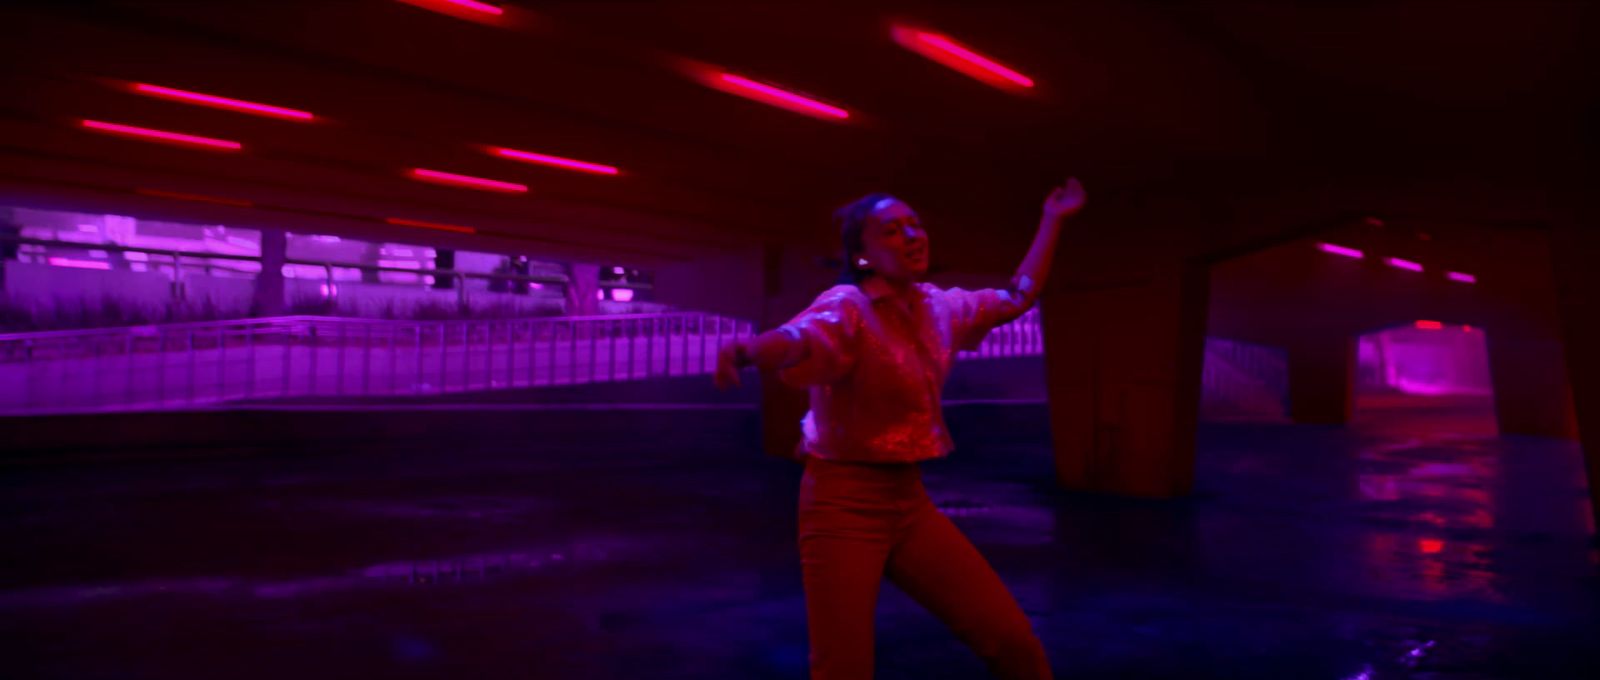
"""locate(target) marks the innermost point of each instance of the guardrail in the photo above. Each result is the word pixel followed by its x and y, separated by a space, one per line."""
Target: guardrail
pixel 198 364
pixel 1021 338
pixel 176 365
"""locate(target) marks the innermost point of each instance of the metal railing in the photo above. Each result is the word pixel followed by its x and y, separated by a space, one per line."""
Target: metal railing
pixel 1023 337
pixel 1265 368
pixel 1242 380
pixel 199 364
pixel 178 365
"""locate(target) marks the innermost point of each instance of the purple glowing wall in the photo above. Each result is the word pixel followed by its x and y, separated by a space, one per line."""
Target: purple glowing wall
pixel 1429 358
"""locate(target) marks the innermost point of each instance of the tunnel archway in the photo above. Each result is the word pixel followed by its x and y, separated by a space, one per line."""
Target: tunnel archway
pixel 1428 377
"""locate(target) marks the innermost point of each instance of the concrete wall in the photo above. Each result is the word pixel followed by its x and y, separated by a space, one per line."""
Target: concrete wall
pixel 45 287
pixel 728 284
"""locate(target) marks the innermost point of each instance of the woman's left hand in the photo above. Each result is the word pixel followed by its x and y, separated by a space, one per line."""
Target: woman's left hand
pixel 728 365
pixel 1065 201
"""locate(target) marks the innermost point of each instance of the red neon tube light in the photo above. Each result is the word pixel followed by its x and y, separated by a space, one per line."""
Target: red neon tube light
pixel 468 181
pixel 1341 250
pixel 1430 325
pixel 401 221
pixel 475 6
pixel 200 198
pixel 162 135
pixel 768 94
pixel 959 57
pixel 1398 263
pixel 453 6
pixel 220 102
pixel 553 161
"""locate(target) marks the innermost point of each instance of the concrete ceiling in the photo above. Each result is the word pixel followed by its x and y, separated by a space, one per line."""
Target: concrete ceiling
pixel 1132 96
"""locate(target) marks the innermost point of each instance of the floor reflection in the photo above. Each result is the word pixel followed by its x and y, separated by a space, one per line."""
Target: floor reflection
pixel 1440 491
pixel 1303 553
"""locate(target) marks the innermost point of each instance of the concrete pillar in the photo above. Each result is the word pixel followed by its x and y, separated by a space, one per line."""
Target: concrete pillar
pixel 269 283
pixel 1575 248
pixel 583 285
pixel 790 280
pixel 370 254
pixel 1322 367
pixel 8 248
pixel 1529 372
pixel 1123 365
pixel 444 258
pixel 9 229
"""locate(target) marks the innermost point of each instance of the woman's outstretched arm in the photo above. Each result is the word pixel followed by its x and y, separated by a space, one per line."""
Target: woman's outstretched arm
pixel 773 349
pixel 1062 203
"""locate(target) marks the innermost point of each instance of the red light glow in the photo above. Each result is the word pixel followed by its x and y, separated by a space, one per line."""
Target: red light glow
pixel 162 135
pixel 452 179
pixel 767 94
pixel 198 198
pixel 553 161
pixel 1341 250
pixel 1430 546
pixel 79 264
pixel 462 9
pixel 1407 265
pixel 216 102
pixel 484 7
pixel 421 224
pixel 1429 325
pixel 958 57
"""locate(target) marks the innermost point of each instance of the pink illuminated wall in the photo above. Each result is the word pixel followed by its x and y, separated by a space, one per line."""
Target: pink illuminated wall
pixel 1427 358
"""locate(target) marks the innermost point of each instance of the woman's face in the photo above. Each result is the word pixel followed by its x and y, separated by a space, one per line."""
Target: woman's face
pixel 893 242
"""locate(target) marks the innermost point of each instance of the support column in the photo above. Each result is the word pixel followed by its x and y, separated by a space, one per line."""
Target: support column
pixel 1575 247
pixel 1529 373
pixel 269 282
pixel 583 285
pixel 1321 377
pixel 1123 366
pixel 444 258
pixel 8 248
pixel 789 282
pixel 371 253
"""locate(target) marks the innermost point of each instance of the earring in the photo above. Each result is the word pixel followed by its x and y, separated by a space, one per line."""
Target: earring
pixel 861 262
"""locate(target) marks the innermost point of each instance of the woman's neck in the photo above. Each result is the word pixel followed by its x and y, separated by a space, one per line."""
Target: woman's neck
pixel 900 288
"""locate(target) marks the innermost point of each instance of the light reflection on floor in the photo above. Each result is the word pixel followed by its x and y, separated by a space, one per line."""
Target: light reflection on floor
pixel 1305 552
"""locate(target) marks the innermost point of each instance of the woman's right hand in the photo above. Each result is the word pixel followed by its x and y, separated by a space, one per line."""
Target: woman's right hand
pixel 1064 201
pixel 727 375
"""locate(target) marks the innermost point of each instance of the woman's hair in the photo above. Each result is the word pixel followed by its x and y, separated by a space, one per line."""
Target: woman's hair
pixel 851 219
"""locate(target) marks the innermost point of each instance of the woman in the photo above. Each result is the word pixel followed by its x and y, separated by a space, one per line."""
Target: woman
pixel 874 352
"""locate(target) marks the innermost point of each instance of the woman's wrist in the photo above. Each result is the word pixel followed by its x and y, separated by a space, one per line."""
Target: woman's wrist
pixel 1024 284
pixel 741 353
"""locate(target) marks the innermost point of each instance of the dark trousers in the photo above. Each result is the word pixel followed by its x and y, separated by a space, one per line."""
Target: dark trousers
pixel 860 523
